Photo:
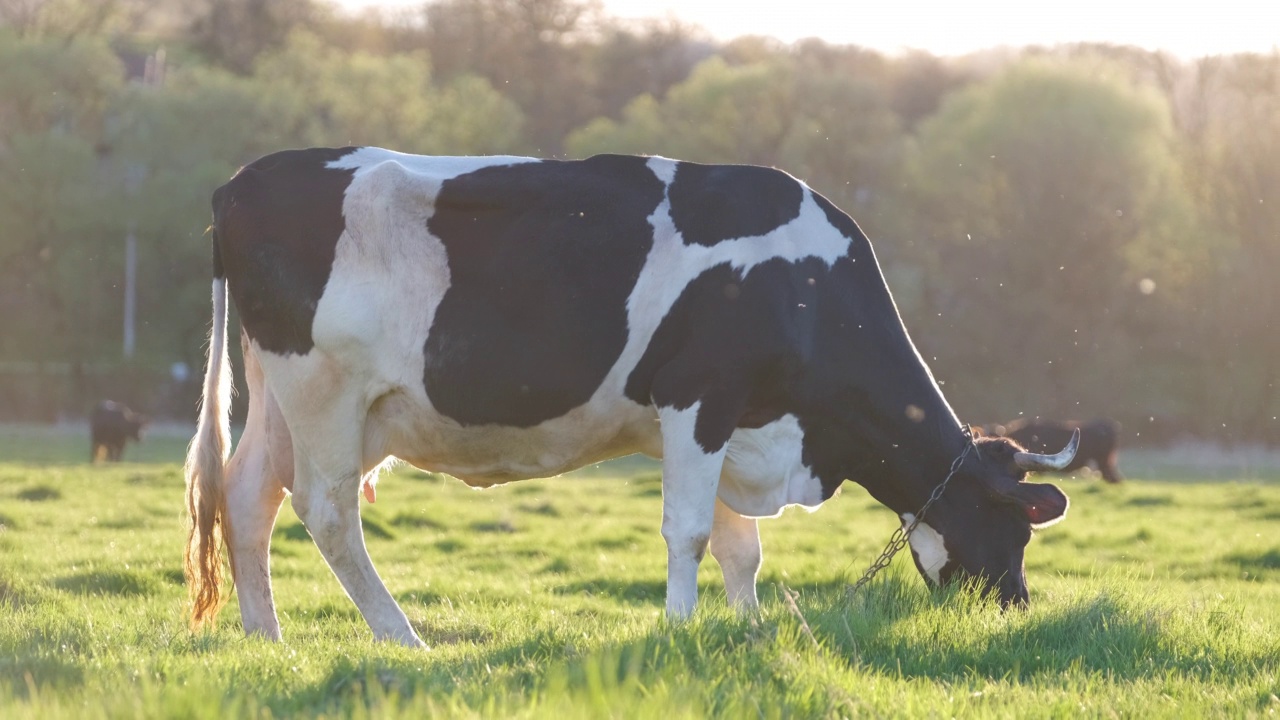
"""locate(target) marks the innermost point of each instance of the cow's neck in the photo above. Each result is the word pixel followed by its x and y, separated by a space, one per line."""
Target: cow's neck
pixel 896 437
pixel 906 464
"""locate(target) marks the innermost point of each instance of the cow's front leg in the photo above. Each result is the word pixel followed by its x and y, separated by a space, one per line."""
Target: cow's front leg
pixel 690 476
pixel 735 544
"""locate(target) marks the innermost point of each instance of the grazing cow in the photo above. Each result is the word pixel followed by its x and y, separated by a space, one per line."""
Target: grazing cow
pixel 503 318
pixel 111 425
pixel 1099 441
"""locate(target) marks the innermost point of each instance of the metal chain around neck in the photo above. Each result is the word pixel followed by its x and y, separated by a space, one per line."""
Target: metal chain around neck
pixel 899 538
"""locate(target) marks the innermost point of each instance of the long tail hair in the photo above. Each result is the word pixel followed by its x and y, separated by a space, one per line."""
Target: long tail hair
pixel 206 466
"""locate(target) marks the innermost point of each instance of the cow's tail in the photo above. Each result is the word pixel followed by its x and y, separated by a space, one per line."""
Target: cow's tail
pixel 206 464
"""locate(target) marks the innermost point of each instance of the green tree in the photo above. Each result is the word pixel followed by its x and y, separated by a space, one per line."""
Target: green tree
pixel 720 114
pixel 330 97
pixel 536 51
pixel 175 144
pixel 233 33
pixel 1051 197
pixel 54 204
pixel 71 19
pixel 829 128
pixel 1233 144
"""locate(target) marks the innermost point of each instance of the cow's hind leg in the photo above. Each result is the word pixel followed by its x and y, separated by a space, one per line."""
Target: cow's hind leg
pixel 327 430
pixel 735 544
pixel 256 476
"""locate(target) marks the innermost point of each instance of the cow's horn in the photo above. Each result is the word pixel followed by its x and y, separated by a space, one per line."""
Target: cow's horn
pixel 1036 461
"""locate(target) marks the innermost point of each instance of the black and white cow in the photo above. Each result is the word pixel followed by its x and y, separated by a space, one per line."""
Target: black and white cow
pixel 503 318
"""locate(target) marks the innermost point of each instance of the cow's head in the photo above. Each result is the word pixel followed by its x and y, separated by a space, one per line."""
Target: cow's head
pixel 981 525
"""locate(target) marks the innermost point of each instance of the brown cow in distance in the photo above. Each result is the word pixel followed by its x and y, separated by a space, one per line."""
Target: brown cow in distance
pixel 1099 441
pixel 111 426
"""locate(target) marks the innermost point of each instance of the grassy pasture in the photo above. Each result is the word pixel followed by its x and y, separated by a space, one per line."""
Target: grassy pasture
pixel 543 599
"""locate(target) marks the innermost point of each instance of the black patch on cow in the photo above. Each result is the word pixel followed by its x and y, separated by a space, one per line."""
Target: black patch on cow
pixel 542 259
pixel 276 225
pixel 711 203
pixel 736 344
pixel 839 219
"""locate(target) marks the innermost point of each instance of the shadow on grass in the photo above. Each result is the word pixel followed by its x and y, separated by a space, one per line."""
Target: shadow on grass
pixel 42 673
pixel 40 493
pixel 1258 564
pixel 173 576
pixel 639 592
pixel 416 521
pixel 557 653
pixel 1150 501
pixel 419 597
pixel 1111 635
pixel 159 478
pixel 545 508
pixel 108 582
pixel 893 627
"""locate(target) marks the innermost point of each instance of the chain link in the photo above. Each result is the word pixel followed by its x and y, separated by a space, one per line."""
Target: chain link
pixel 898 539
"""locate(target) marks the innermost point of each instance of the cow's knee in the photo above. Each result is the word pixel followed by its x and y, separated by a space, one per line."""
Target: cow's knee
pixel 323 518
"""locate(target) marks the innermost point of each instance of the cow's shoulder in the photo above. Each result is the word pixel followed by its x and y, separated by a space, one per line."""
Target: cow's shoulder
pixel 713 203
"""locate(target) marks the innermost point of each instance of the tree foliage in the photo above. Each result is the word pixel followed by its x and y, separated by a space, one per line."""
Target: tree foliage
pixel 1068 231
pixel 1052 197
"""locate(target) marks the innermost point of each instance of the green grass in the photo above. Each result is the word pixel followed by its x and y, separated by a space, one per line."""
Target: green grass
pixel 544 599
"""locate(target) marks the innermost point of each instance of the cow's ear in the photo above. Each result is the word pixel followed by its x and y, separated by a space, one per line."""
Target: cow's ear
pixel 1042 503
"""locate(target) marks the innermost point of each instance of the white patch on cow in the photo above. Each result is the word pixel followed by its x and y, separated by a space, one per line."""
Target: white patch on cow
pixel 664 168
pixel 441 167
pixel 389 275
pixel 929 548
pixel 764 472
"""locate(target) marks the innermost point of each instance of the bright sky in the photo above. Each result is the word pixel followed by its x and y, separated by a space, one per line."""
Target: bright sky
pixel 950 27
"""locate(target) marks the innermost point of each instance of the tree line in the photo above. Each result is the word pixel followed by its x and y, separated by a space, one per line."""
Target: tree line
pixel 1071 231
